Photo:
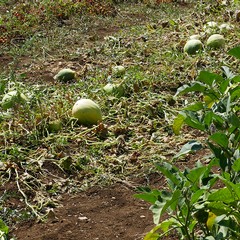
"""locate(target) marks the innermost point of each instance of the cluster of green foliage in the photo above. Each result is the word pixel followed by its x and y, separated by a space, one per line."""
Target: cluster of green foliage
pixel 204 203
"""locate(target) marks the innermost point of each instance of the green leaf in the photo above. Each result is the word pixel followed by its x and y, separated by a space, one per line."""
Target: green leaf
pixel 234 188
pixel 195 174
pixel 227 72
pixel 164 226
pixel 192 121
pixel 195 87
pixel 3 227
pixel 208 118
pixel 236 165
pixel 235 93
pixel 157 211
pixel 153 235
pixel 236 79
pixel 235 52
pixel 167 223
pixel 196 195
pixel 219 208
pixel 159 208
pixel 170 172
pixel 189 147
pixel 224 86
pixel 234 120
pixel 173 202
pixel 208 77
pixel 195 107
pixel 177 123
pixel 223 194
pixel 217 151
pixel 220 138
pixel 150 197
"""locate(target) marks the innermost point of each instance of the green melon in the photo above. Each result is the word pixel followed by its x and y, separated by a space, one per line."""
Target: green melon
pixel 11 98
pixel 65 75
pixel 114 89
pixel 195 36
pixel 193 46
pixel 225 27
pixel 216 41
pixel 210 27
pixel 118 71
pixel 55 126
pixel 87 112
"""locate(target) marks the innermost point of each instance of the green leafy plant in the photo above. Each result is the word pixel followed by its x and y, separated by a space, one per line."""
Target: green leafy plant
pixel 217 115
pixel 202 203
pixel 194 206
pixel 3 230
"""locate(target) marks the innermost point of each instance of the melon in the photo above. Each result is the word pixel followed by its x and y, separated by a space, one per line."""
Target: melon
pixel 87 112
pixel 216 41
pixel 225 27
pixel 65 75
pixel 55 126
pixel 210 27
pixel 114 89
pixel 11 98
pixel 210 24
pixel 193 46
pixel 195 36
pixel 118 71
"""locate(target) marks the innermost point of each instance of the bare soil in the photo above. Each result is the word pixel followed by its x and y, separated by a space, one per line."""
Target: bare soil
pixel 99 213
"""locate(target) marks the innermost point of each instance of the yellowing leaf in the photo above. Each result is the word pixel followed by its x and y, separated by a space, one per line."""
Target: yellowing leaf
pixel 211 220
pixel 208 101
pixel 177 123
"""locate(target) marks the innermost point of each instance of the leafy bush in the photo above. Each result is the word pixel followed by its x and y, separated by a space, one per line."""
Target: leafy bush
pixel 202 203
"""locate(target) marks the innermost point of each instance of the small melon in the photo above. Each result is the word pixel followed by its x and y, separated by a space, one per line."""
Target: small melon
pixel 195 36
pixel 65 75
pixel 225 27
pixel 210 27
pixel 216 41
pixel 87 112
pixel 114 89
pixel 193 46
pixel 54 126
pixel 118 71
pixel 211 24
pixel 11 98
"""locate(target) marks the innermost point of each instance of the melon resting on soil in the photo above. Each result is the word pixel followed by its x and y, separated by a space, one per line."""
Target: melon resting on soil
pixel 114 89
pixel 87 112
pixel 118 71
pixel 193 46
pixel 55 126
pixel 65 75
pixel 216 41
pixel 11 98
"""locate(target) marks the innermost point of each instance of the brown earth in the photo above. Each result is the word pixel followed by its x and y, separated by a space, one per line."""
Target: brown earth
pixel 99 213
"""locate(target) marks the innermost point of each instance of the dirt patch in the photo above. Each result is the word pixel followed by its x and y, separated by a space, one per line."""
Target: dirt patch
pixel 99 213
